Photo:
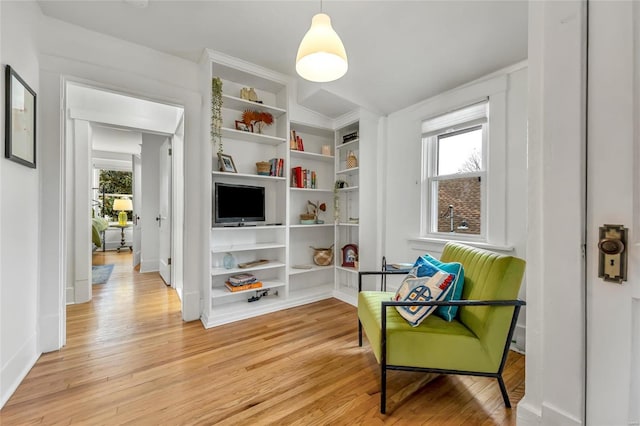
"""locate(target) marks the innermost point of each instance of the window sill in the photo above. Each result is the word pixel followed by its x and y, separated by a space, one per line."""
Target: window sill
pixel 429 243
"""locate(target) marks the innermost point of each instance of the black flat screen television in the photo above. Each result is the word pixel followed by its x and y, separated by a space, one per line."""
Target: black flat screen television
pixel 238 204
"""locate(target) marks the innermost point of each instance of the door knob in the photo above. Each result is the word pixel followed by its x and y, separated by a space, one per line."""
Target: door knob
pixel 611 246
pixel 612 264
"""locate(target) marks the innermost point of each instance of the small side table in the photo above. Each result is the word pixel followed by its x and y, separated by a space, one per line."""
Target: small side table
pixel 122 241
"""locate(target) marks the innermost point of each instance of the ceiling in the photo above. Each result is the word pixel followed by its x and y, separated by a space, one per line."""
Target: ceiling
pixel 400 52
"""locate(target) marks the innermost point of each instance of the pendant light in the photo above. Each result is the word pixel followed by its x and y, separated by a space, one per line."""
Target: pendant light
pixel 321 56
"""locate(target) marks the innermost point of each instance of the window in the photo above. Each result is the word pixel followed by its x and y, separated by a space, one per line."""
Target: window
pixel 455 173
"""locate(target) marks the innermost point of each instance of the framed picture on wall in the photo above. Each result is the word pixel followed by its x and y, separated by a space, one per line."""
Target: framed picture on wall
pixel 20 120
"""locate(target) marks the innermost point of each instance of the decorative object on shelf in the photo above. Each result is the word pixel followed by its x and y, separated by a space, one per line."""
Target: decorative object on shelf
pixel 340 184
pixel 216 113
pixel 263 168
pixel 349 255
pixel 229 261
pixel 257 118
pixel 20 133
pixel 244 127
pixel 315 209
pixel 226 163
pixel 326 150
pixel 249 94
pixel 350 136
pixel 321 56
pixel 323 256
pixel 352 160
pixel 123 205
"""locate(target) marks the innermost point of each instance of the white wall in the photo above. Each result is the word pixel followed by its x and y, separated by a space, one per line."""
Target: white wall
pixel 403 155
pixel 150 256
pixel 19 212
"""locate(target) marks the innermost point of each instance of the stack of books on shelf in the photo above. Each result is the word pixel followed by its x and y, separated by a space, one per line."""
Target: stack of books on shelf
pixel 350 137
pixel 303 178
pixel 242 282
pixel 295 142
pixel 277 167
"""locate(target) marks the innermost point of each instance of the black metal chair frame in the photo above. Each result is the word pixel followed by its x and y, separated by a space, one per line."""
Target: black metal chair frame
pixel 517 304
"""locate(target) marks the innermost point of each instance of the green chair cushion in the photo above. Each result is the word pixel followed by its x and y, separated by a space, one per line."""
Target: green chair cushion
pixel 435 343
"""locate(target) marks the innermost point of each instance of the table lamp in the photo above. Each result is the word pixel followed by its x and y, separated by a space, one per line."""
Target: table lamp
pixel 123 205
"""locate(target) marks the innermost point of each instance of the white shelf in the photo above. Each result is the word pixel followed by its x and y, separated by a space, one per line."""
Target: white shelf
pixel 246 247
pixel 314 268
pixel 312 225
pixel 251 137
pixel 247 176
pixel 348 224
pixel 245 228
pixel 313 292
pixel 311 156
pixel 295 188
pixel 236 103
pixel 223 271
pixel 348 189
pixel 221 292
pixel 347 269
pixel 351 171
pixel 348 144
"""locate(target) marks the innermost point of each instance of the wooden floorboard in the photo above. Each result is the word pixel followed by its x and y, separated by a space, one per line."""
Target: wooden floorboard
pixel 130 359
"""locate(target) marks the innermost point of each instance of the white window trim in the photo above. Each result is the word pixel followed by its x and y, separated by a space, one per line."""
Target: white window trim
pixel 494 154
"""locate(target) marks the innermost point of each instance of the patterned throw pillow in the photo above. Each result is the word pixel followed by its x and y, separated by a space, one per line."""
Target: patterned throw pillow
pixel 421 289
pixel 425 265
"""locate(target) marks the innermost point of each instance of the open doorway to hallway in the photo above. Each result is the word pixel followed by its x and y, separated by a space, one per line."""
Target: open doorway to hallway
pixel 114 139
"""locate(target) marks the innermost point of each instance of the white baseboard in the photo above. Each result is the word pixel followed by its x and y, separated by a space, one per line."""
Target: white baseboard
pixel 16 369
pixel 527 414
pixel 49 337
pixel 71 296
pixel 352 300
pixel 547 415
pixel 191 305
pixel 152 265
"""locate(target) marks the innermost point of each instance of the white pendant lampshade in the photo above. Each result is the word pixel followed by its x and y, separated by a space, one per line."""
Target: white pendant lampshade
pixel 321 55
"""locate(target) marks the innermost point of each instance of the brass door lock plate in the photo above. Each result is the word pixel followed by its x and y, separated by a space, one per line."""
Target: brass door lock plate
pixel 612 265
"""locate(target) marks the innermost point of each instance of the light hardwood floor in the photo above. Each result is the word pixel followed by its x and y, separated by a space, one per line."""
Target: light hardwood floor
pixel 130 359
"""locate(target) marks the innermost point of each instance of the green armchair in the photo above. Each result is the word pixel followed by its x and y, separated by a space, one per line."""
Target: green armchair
pixel 476 342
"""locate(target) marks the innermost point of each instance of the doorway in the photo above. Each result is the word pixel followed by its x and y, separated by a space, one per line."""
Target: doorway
pixel 91 113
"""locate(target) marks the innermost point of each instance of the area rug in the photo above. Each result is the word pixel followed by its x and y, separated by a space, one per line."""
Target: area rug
pixel 101 273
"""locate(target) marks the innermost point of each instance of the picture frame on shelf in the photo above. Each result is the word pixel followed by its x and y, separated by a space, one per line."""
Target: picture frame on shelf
pixel 20 120
pixel 244 127
pixel 226 163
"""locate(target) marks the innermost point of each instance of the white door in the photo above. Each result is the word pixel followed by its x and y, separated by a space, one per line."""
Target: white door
pixel 137 208
pixel 613 197
pixel 164 216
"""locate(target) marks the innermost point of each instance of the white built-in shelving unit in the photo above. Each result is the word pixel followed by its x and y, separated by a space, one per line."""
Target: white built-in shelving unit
pixel 282 240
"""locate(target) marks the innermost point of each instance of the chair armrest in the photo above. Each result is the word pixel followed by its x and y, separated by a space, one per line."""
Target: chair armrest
pixel 380 273
pixel 516 302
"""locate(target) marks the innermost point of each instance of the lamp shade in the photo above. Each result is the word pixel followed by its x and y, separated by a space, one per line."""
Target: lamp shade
pixel 321 55
pixel 122 204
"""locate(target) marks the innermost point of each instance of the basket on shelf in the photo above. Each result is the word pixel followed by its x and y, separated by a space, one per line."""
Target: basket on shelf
pixel 323 256
pixel 263 168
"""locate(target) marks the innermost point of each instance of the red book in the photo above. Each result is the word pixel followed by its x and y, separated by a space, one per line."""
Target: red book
pixel 296 177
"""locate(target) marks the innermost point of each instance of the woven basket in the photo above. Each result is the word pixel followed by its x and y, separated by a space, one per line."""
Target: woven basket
pixel 263 167
pixel 323 256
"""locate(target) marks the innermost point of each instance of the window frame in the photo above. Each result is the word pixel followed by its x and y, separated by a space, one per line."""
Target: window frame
pixel 495 91
pixel 430 149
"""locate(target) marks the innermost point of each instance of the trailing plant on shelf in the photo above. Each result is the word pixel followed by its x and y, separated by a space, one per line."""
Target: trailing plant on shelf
pixel 336 198
pixel 257 118
pixel 216 113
